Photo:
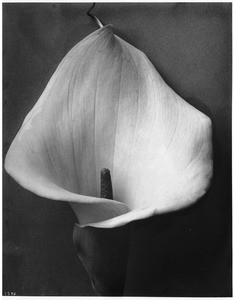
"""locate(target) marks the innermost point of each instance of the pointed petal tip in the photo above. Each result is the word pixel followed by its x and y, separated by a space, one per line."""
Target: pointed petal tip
pixel 108 28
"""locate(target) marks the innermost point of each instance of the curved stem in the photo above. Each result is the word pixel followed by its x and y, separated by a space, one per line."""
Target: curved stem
pixel 98 22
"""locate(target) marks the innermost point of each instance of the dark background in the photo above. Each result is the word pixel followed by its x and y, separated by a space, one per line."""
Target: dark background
pixel 182 254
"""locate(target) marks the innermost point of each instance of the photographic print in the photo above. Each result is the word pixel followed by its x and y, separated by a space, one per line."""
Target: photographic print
pixel 117 149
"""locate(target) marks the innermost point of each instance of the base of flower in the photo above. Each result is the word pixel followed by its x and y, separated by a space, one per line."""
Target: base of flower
pixel 104 255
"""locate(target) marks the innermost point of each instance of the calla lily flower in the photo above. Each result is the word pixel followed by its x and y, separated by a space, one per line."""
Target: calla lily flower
pixel 106 106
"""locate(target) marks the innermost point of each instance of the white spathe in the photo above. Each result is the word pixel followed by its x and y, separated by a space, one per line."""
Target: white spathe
pixel 107 107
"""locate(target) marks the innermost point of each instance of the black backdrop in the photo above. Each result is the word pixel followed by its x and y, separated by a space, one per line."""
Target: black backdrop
pixel 190 45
